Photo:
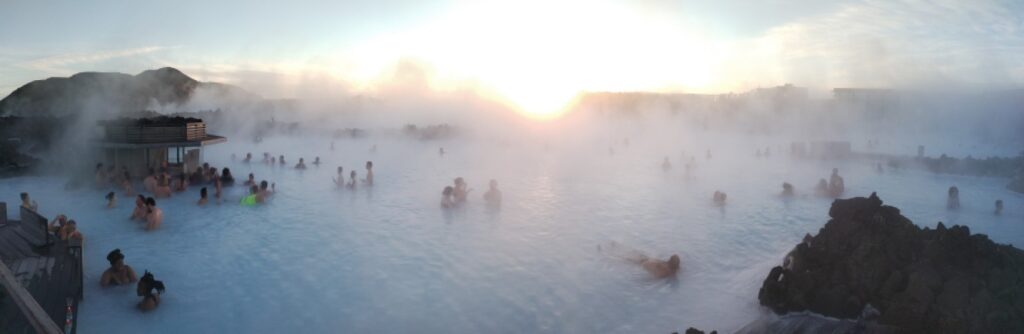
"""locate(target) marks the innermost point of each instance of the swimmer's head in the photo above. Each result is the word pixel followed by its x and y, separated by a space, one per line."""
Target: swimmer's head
pixel 115 257
pixel 263 185
pixel 448 191
pixel 147 284
pixel 202 193
pixel 150 201
pixel 24 196
pixel 340 169
pixel 352 174
pixel 109 196
pixel 673 262
pixel 369 165
pixel 251 177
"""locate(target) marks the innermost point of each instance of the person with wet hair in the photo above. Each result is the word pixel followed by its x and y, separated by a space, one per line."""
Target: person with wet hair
pixel 316 161
pixel 203 198
pixel 154 216
pixel 28 203
pixel 140 210
pixel 447 198
pixel 248 157
pixel 118 273
pixel 953 200
pixel 226 178
pixel 281 160
pixel 493 195
pixel 301 164
pixel 352 180
pixel 822 188
pixel 999 207
pixel 340 180
pixel 111 200
pixel 250 181
pixel 147 285
pixel 369 173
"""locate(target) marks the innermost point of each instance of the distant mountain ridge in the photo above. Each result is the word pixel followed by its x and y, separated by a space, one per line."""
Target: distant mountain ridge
pixel 111 92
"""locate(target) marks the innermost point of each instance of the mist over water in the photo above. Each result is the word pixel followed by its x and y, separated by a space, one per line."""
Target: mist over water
pixel 388 259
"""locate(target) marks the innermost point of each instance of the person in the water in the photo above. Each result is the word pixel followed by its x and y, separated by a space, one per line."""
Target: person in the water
pixel 665 165
pixel 226 178
pixel 118 273
pixel 719 198
pixel 28 203
pixel 163 187
pixel 340 180
pixel 301 164
pixel 250 199
pixel 352 180
pixel 100 176
pixel 281 160
pixel 953 200
pixel 147 285
pixel 250 181
pixel 316 161
pixel 836 186
pixel 264 193
pixel 154 216
pixel 248 157
pixel 493 195
pixel 822 188
pixel 657 268
pixel 140 211
pixel 149 183
pixel 369 173
pixel 70 231
pixel 182 184
pixel 999 207
pixel 447 197
pixel 461 192
pixel 111 200
pixel 203 198
pixel 196 177
pixel 787 189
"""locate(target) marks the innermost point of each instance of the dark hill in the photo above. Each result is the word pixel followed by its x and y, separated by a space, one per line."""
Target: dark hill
pixel 110 93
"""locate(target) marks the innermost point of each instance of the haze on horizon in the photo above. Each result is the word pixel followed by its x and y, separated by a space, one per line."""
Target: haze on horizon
pixel 532 55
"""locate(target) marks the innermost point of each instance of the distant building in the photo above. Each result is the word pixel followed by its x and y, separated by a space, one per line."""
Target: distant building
pixel 140 144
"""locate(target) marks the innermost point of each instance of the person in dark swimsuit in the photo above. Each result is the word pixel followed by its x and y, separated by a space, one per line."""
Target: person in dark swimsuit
pixel 150 300
pixel 118 273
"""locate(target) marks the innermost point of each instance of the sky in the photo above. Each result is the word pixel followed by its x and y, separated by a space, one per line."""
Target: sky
pixel 535 55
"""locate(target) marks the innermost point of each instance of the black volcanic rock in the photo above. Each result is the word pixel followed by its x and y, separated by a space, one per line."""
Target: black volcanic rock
pixel 110 93
pixel 941 280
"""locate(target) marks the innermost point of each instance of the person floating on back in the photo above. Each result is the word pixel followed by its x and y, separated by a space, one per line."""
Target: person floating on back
pixel 118 273
pixel 657 268
pixel 147 285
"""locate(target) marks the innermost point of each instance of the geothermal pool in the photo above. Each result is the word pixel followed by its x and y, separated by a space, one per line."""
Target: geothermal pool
pixel 387 259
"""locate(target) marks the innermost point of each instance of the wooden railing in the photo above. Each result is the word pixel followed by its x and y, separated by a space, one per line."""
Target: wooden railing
pixel 34 313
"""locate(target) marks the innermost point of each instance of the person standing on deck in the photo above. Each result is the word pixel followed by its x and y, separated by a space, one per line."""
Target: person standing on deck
pixel 28 203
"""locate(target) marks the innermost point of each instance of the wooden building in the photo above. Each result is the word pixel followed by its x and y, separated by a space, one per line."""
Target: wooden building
pixel 140 144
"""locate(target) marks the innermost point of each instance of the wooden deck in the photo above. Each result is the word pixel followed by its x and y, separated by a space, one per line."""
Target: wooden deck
pixel 49 269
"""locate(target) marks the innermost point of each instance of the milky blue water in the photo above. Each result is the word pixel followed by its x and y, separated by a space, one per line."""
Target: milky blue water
pixel 387 259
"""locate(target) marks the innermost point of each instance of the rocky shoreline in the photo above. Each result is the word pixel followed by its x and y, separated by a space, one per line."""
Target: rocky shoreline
pixel 870 262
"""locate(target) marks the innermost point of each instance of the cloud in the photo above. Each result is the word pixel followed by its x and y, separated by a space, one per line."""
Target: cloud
pixel 68 63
